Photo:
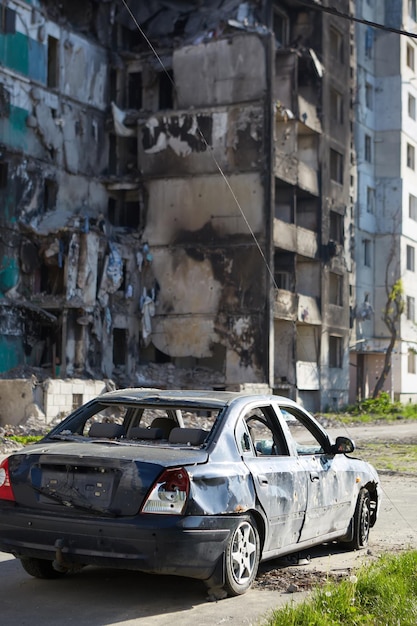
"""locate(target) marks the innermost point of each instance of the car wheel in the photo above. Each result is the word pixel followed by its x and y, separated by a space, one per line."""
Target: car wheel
pixel 361 521
pixel 40 568
pixel 242 557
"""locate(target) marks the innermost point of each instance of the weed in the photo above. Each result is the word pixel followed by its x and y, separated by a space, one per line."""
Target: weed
pixel 381 594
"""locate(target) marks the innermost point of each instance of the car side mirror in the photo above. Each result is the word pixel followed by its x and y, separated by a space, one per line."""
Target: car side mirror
pixel 343 445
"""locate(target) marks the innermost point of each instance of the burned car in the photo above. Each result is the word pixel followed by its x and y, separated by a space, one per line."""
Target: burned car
pixel 193 483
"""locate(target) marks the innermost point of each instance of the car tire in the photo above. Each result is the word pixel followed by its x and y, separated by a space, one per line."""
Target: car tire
pixel 40 568
pixel 242 557
pixel 361 521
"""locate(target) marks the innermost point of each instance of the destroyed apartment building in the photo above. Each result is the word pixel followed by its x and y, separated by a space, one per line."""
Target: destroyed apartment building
pixel 174 188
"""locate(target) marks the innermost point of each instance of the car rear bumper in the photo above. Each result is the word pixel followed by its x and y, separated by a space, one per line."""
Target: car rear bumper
pixel 163 544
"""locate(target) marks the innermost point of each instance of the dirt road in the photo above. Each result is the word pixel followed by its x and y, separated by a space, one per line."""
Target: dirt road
pixel 99 596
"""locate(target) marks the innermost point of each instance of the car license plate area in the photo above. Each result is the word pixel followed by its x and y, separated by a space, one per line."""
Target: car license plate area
pixel 90 486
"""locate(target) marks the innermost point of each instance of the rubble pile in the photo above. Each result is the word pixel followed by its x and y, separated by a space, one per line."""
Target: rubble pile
pixel 33 427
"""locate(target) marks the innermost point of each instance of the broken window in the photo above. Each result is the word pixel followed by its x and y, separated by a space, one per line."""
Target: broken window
pixel 53 64
pixel 336 45
pixel 335 351
pixel 119 346
pixel 370 200
pixel 166 90
pixel 336 106
pixel 335 289
pixel 112 154
pixel 284 203
pixel 369 42
pixel 369 96
pixel 7 20
pixel 77 400
pixel 282 280
pixel 52 280
pixel 50 192
pixel 307 212
pixel 336 166
pixel 134 90
pixel 336 232
pixel 4 174
pixel 124 211
pixel 280 27
pixel 367 257
pixel 4 101
pixel 284 270
pixel 368 149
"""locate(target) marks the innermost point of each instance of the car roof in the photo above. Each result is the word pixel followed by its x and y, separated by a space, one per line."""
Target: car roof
pixel 196 397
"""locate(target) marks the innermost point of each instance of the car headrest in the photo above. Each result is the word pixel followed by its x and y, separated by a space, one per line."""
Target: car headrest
pixel 106 430
pixel 188 436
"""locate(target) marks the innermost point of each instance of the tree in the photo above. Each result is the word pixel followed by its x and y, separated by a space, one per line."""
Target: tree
pixel 391 315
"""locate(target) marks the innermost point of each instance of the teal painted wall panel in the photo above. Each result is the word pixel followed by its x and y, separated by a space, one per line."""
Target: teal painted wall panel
pixel 37 61
pixel 14 52
pixel 24 55
pixel 11 352
pixel 13 130
pixel 9 274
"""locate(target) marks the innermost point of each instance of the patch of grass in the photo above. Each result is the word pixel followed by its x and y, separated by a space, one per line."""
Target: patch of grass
pixel 381 594
pixel 392 456
pixel 371 409
pixel 25 439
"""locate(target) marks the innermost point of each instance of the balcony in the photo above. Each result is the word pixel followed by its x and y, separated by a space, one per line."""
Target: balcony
pixel 296 307
pixel 295 239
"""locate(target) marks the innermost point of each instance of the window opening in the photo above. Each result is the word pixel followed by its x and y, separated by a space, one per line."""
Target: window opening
pixel 4 174
pixel 335 351
pixel 166 90
pixel 336 166
pixel 411 361
pixel 119 346
pixel 134 90
pixel 335 289
pixel 410 258
pixel 411 308
pixel 53 65
pixel 50 194
pixel 410 156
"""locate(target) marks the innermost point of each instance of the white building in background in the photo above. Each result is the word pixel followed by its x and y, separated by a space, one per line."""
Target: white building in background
pixel 386 196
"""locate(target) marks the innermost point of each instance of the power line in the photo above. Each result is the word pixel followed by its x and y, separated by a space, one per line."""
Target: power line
pixel 312 4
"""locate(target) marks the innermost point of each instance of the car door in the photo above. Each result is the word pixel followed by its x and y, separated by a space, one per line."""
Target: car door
pixel 329 484
pixel 279 478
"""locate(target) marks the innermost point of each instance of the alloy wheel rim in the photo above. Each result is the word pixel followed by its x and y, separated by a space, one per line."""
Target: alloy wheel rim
pixel 243 553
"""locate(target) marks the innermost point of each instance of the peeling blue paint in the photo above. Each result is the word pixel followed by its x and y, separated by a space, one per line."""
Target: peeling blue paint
pixel 9 274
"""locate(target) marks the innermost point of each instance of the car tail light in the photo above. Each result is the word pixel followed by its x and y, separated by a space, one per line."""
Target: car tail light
pixel 169 493
pixel 6 491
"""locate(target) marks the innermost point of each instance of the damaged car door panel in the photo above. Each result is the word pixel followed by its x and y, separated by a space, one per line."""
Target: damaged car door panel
pixel 192 483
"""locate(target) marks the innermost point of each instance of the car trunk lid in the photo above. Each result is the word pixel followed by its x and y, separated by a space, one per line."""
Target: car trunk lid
pixel 97 478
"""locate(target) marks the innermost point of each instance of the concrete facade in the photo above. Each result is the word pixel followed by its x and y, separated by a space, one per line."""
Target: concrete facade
pixel 386 207
pixel 180 218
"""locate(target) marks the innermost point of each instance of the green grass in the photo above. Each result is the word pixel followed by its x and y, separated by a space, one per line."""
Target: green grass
pixel 381 594
pixel 25 439
pixel 390 456
pixel 371 409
